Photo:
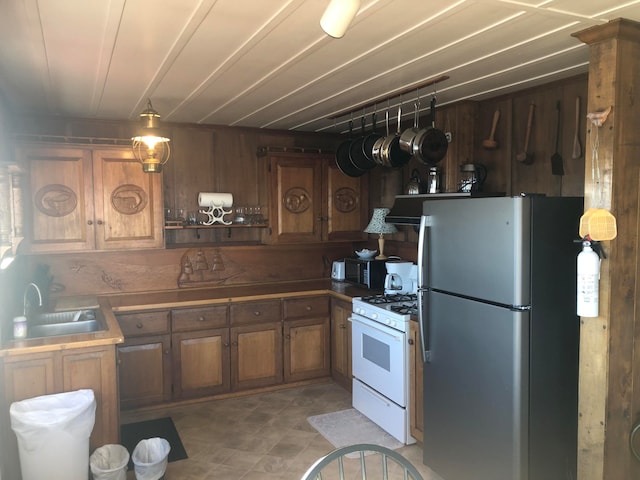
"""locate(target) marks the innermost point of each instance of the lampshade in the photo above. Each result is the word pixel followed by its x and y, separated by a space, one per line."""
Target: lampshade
pixel 338 16
pixel 151 147
pixel 377 223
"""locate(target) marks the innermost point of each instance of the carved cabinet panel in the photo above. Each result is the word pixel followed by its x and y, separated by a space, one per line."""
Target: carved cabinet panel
pixel 83 198
pixel 311 200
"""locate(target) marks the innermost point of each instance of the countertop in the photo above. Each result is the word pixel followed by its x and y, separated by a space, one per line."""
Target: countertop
pixel 168 299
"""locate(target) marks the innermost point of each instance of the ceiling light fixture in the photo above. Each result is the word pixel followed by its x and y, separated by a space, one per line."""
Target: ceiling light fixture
pixel 151 147
pixel 338 15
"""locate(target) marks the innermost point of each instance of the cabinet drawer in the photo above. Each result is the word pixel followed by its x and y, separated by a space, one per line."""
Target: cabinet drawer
pixel 144 323
pixel 189 319
pixel 255 312
pixel 306 307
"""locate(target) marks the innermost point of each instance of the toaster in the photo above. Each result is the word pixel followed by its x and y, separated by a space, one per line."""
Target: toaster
pixel 337 270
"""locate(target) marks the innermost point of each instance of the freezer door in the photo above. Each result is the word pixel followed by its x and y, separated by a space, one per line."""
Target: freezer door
pixel 477 248
pixel 475 390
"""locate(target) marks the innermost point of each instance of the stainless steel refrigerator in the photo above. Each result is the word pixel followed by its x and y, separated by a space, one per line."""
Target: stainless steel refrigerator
pixel 496 298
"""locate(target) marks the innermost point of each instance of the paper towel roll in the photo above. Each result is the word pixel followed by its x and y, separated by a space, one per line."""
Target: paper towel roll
pixel 208 199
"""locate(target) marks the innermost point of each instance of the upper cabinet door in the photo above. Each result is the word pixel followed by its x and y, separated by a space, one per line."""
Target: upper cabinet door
pixel 60 187
pixel 346 205
pixel 296 196
pixel 311 200
pixel 128 202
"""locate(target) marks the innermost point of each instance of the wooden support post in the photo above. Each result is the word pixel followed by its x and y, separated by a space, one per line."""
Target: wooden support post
pixel 609 388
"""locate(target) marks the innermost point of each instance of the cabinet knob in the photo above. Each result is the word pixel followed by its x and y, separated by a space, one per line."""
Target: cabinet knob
pixel 257 313
pixel 235 344
pixel 139 325
pixel 166 352
pixel 342 325
pixel 89 222
pixel 411 341
pixel 225 344
pixel 308 308
pixel 287 336
pixel 99 222
pixel 201 319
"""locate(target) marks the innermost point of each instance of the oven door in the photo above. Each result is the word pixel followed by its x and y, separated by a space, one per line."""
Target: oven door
pixel 378 358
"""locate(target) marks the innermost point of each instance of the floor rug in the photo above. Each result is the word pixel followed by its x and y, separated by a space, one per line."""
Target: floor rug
pixel 132 433
pixel 348 427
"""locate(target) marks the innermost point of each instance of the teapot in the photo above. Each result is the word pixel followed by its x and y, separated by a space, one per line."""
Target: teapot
pixel 416 186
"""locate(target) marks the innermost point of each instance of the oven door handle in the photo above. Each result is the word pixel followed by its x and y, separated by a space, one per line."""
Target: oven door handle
pixel 380 327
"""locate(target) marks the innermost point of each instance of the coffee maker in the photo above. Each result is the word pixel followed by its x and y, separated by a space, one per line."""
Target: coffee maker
pixel 401 277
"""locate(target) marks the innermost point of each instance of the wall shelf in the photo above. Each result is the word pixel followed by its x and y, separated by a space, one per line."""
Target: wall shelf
pixel 197 228
pixel 217 225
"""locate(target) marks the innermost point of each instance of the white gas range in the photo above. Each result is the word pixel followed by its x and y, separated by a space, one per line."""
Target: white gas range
pixel 380 360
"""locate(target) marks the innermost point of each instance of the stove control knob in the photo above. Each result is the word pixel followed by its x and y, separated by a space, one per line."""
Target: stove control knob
pixel 360 310
pixel 374 316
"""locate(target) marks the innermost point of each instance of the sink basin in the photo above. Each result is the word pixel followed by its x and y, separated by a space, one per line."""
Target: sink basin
pixel 64 323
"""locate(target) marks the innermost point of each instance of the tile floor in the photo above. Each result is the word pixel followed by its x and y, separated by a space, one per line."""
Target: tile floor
pixel 264 436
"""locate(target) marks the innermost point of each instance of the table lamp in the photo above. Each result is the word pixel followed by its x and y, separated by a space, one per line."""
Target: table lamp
pixel 378 225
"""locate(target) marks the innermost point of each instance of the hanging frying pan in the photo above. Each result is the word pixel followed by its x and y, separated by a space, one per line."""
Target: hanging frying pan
pixel 430 144
pixel 370 140
pixel 356 152
pixel 392 154
pixel 343 160
pixel 376 150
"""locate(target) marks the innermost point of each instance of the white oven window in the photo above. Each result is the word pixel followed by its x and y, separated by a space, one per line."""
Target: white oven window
pixel 376 352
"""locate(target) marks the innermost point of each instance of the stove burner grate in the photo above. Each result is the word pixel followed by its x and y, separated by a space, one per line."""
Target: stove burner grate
pixel 405 308
pixel 389 298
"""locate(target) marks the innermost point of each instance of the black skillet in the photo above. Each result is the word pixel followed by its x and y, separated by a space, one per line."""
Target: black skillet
pixel 356 151
pixel 343 160
pixel 370 140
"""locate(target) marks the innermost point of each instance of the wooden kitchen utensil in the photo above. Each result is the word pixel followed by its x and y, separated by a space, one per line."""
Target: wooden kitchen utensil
pixel 577 148
pixel 490 143
pixel 557 168
pixel 526 157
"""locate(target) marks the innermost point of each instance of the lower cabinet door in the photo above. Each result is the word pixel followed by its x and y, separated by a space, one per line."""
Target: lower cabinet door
pixel 256 352
pixel 145 371
pixel 201 363
pixel 306 349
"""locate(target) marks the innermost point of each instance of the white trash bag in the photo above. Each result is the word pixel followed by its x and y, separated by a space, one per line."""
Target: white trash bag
pixel 53 434
pixel 109 462
pixel 150 458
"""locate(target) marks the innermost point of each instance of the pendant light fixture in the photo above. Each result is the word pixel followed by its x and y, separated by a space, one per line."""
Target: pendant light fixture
pixel 338 16
pixel 151 147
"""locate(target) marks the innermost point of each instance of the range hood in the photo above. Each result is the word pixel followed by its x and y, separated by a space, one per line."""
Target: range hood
pixel 407 209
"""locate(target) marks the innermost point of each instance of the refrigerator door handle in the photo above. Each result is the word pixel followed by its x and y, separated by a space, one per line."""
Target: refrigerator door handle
pixel 423 269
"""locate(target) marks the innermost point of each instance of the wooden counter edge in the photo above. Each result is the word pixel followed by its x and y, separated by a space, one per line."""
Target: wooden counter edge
pixel 237 298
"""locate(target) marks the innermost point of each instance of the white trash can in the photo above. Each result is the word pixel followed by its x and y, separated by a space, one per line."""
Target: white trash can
pixel 109 462
pixel 53 434
pixel 150 458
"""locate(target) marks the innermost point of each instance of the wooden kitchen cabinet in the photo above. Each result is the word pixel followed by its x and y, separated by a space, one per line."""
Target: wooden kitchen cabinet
pixel 306 338
pixel 256 344
pixel 144 359
pixel 30 375
pixel 201 352
pixel 341 342
pixel 311 200
pixel 84 198
pixel 415 382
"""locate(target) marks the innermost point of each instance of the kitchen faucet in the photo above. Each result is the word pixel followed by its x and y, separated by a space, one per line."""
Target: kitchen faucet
pixel 24 298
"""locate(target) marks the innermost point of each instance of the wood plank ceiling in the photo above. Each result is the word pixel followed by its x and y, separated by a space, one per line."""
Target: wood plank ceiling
pixel 268 64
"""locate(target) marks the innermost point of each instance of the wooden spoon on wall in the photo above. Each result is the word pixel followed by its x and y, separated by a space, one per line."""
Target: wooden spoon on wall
pixel 490 143
pixel 526 157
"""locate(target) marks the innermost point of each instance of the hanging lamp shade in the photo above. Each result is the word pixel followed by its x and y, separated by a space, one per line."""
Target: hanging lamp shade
pixel 338 16
pixel 151 146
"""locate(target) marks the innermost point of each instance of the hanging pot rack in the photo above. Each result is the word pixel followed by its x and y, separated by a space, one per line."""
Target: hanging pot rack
pixel 358 109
